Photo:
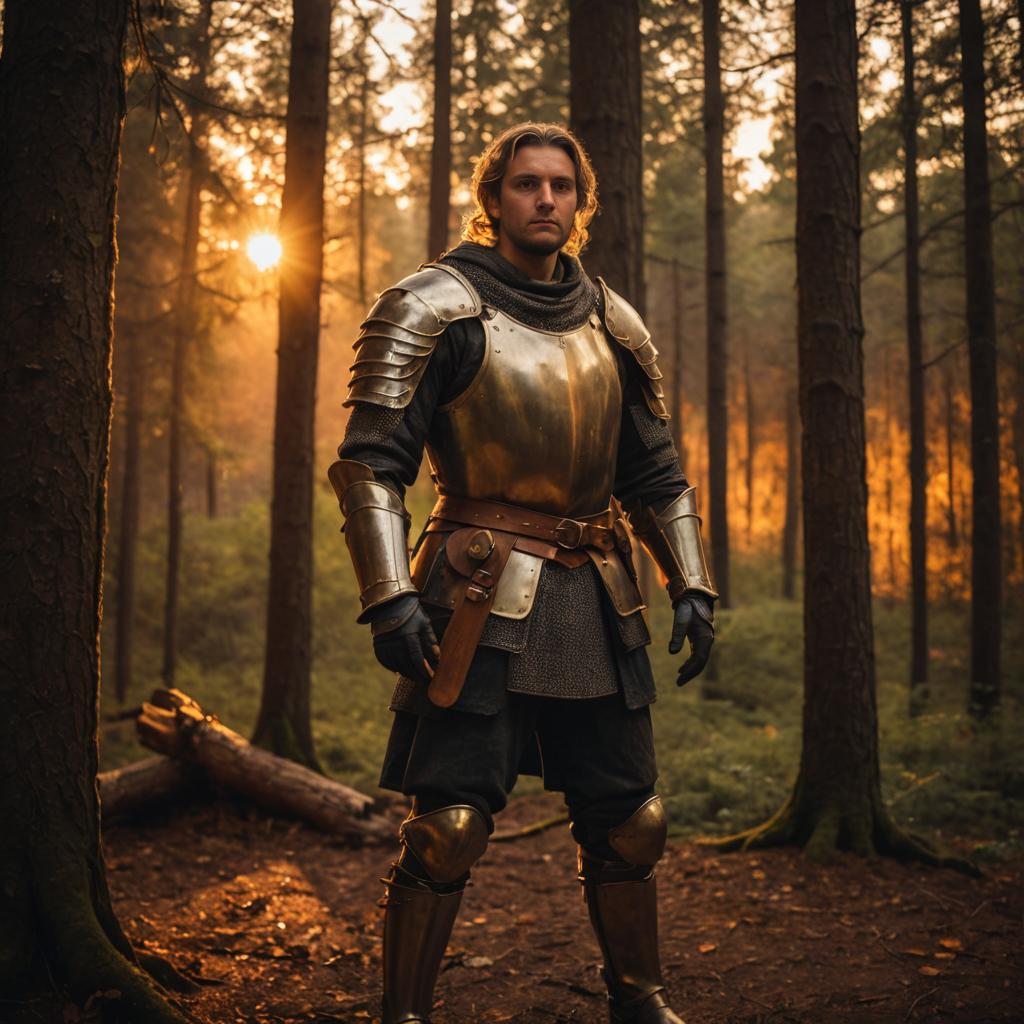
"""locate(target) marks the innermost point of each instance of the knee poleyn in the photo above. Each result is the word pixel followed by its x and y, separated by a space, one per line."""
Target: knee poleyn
pixel 639 841
pixel 446 842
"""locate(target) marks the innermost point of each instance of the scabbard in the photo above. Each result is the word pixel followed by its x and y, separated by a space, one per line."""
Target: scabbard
pixel 468 619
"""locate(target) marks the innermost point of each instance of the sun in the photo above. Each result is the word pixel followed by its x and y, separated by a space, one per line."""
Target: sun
pixel 264 250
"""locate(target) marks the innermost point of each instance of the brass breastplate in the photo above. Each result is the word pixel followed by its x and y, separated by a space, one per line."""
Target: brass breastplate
pixel 539 425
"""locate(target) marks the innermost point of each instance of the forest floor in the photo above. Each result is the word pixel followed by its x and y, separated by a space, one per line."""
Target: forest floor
pixel 279 923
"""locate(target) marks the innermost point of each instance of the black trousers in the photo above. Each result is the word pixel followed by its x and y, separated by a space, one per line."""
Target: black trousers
pixel 597 752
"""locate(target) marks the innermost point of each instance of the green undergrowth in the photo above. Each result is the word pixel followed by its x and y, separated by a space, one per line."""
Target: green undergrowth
pixel 728 743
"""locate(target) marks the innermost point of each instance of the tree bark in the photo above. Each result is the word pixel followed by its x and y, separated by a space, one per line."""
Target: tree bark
pixel 61 111
pixel 915 375
pixel 173 724
pixel 836 801
pixel 717 313
pixel 283 724
pixel 129 526
pixel 441 148
pixel 184 329
pixel 986 527
pixel 791 524
pixel 606 115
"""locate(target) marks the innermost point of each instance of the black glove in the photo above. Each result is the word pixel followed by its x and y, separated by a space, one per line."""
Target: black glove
pixel 403 638
pixel 694 618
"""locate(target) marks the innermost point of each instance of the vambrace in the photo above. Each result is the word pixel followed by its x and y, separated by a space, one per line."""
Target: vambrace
pixel 376 531
pixel 672 538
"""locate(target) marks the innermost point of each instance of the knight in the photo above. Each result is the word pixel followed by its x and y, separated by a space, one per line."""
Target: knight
pixel 516 625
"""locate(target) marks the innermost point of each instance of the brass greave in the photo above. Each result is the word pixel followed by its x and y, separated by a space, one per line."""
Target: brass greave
pixel 417 925
pixel 624 916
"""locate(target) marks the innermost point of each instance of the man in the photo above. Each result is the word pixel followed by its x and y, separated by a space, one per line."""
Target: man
pixel 536 395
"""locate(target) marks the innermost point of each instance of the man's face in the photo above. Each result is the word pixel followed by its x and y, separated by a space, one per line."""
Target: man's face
pixel 537 202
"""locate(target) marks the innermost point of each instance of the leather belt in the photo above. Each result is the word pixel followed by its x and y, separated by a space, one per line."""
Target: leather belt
pixel 482 536
pixel 596 531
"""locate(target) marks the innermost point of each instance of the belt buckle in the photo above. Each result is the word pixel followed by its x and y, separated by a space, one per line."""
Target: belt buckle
pixel 560 534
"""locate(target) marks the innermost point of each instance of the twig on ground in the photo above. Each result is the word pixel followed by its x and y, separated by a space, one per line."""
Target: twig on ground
pixel 507 835
pixel 922 996
pixel 984 903
pixel 942 899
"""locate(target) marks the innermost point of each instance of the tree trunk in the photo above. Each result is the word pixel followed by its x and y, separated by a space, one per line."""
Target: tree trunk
pixel 952 531
pixel 364 93
pixel 283 724
pixel 915 375
pixel 790 526
pixel 717 339
pixel 890 478
pixel 1018 447
pixel 986 528
pixel 836 802
pixel 211 483
pixel 748 401
pixel 676 399
pixel 184 328
pixel 173 724
pixel 441 148
pixel 61 111
pixel 606 115
pixel 1020 41
pixel 129 527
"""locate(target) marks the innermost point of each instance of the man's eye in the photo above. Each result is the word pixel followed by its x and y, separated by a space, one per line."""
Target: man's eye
pixel 525 184
pixel 563 186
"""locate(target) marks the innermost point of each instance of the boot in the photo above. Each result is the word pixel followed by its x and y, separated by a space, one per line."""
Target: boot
pixel 440 845
pixel 625 919
pixel 417 924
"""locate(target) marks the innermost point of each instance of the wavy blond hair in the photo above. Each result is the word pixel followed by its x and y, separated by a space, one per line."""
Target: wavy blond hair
pixel 478 225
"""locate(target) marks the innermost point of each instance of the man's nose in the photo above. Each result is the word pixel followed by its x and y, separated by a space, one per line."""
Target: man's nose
pixel 545 197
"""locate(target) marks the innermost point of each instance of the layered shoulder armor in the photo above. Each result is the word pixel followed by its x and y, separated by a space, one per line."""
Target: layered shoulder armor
pixel 400 333
pixel 624 324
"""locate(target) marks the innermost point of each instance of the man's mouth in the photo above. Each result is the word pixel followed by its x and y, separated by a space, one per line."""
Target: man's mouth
pixel 545 223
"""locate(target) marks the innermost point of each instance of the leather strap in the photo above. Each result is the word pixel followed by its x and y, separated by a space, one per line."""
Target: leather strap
pixel 458 646
pixel 591 531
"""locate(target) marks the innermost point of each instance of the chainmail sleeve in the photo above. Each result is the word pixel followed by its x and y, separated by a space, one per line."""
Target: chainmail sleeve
pixel 647 472
pixel 390 441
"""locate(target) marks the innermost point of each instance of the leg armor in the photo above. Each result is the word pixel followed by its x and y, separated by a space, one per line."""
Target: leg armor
pixel 423 893
pixel 622 900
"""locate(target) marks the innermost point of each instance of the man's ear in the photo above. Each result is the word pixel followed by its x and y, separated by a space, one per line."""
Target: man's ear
pixel 492 206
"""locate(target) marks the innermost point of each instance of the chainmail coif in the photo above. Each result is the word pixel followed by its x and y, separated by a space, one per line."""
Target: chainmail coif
pixel 559 305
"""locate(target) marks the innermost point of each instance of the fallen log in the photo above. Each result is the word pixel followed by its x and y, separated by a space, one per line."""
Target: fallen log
pixel 172 723
pixel 127 789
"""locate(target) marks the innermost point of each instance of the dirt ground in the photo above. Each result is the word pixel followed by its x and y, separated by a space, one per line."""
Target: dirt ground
pixel 279 923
